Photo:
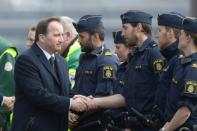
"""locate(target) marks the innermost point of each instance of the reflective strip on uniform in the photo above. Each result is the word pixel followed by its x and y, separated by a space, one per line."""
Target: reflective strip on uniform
pixel 10 51
pixel 74 48
pixel 72 73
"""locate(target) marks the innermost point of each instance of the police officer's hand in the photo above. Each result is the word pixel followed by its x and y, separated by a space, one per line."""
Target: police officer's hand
pixel 89 101
pixel 8 102
pixel 72 120
pixel 78 104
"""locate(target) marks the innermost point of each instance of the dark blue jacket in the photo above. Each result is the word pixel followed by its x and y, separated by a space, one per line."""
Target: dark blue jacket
pixel 165 81
pixel 96 73
pixel 42 102
pixel 118 88
pixel 142 76
pixel 183 90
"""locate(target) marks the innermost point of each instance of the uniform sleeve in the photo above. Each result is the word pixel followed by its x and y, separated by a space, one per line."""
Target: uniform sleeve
pixel 189 89
pixel 106 75
pixel 156 60
pixel 7 85
pixel 1 100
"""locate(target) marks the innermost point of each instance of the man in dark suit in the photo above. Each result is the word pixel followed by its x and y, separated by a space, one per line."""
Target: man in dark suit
pixel 42 83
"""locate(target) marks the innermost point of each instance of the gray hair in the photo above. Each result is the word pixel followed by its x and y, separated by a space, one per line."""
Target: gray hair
pixel 67 23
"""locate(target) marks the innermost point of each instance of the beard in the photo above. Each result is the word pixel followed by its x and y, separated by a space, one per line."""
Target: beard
pixel 88 47
pixel 132 41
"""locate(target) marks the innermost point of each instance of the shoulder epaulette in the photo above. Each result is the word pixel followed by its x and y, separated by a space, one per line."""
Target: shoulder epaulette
pixel 154 45
pixel 107 52
pixel 194 65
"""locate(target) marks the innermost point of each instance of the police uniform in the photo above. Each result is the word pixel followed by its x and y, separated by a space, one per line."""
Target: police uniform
pixel 172 20
pixel 8 54
pixel 183 91
pixel 142 74
pixel 97 69
pixel 96 72
pixel 120 82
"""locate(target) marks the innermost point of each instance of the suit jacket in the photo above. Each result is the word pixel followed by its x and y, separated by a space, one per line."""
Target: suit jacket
pixel 1 99
pixel 42 102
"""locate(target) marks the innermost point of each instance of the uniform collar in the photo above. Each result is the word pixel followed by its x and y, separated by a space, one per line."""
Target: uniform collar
pixel 194 56
pixel 145 44
pixel 189 59
pixel 97 51
pixel 123 64
pixel 171 50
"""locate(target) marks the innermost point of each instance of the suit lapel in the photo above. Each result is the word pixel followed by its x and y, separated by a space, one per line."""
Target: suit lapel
pixel 44 61
pixel 59 72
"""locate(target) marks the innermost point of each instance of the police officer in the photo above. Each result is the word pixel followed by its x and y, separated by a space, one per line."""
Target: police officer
pixel 71 48
pixel 8 54
pixel 169 25
pixel 122 50
pixel 96 73
pixel 182 98
pixel 97 68
pixel 144 67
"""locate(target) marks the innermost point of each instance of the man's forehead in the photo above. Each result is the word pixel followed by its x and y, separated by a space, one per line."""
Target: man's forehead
pixel 55 27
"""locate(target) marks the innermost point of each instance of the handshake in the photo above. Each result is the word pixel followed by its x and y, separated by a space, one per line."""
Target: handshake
pixel 80 103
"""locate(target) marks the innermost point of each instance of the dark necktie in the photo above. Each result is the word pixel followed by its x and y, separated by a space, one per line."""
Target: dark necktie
pixel 52 62
pixel 53 65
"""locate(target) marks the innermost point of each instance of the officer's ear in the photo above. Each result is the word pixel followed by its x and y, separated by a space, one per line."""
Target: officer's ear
pixel 188 38
pixel 139 27
pixel 95 36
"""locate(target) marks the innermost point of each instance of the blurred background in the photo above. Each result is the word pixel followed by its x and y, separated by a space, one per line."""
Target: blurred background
pixel 17 16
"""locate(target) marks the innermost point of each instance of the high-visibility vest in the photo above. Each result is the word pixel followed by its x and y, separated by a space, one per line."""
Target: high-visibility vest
pixel 73 60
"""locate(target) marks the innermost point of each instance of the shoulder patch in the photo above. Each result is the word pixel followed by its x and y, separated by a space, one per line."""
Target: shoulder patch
pixel 108 72
pixel 191 87
pixel 107 53
pixel 8 66
pixel 158 65
pixel 194 65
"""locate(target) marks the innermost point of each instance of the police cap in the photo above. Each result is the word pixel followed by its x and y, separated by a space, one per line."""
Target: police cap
pixel 136 16
pixel 118 38
pixel 190 24
pixel 89 22
pixel 171 19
